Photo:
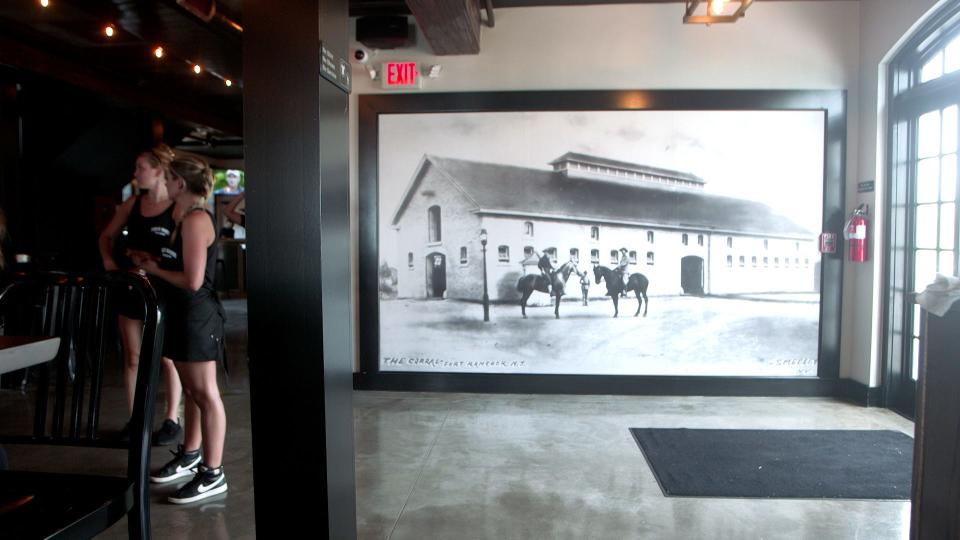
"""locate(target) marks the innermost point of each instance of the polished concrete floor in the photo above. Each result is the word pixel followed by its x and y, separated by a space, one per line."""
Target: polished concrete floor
pixel 467 466
pixel 510 466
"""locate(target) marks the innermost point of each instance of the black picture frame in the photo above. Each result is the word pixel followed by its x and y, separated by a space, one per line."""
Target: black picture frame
pixel 831 102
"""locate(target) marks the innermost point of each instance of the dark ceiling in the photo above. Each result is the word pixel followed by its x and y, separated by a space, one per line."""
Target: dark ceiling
pixel 66 41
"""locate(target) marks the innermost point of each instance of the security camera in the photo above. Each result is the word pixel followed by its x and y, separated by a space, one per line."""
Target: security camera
pixel 362 55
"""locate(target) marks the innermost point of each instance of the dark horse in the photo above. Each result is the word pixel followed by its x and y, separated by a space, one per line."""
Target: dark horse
pixel 636 283
pixel 536 282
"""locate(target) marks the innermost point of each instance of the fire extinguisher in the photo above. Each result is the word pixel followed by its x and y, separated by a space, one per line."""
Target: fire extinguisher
pixel 856 235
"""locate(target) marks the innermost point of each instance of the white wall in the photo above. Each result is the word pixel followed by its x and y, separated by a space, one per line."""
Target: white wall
pixel 883 25
pixel 778 45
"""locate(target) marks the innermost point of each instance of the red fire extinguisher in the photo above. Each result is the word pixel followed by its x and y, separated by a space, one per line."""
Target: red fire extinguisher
pixel 856 235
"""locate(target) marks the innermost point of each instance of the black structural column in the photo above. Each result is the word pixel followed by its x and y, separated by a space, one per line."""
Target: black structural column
pixel 298 281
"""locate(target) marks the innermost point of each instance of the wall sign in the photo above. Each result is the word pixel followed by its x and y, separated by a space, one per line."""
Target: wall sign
pixel 400 75
pixel 865 187
pixel 334 68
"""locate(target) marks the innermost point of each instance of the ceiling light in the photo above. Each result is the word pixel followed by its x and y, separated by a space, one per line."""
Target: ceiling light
pixel 158 52
pixel 44 3
pixel 197 69
pixel 109 30
pixel 714 11
pixel 228 82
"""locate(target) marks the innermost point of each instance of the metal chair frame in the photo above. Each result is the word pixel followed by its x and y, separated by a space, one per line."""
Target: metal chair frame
pixel 79 309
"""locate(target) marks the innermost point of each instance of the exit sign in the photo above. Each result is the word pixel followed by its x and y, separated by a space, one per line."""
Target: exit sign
pixel 400 75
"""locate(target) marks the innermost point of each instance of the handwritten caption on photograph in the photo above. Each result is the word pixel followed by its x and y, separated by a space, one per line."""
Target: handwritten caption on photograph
pixel 439 363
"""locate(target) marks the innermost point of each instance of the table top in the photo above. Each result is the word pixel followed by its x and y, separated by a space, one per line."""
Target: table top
pixel 18 352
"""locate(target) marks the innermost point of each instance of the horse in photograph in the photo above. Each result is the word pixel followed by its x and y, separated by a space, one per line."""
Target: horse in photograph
pixel 636 282
pixel 536 282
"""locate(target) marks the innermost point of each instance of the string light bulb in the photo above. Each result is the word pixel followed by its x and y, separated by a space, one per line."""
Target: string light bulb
pixel 158 52
pixel 228 82
pixel 197 69
pixel 109 30
pixel 44 3
pixel 716 6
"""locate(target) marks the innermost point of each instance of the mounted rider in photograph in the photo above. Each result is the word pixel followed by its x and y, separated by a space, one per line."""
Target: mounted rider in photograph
pixel 546 268
pixel 624 270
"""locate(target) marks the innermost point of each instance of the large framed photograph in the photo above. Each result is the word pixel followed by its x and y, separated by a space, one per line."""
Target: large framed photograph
pixel 628 235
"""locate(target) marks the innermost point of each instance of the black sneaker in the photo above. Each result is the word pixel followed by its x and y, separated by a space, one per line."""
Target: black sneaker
pixel 182 464
pixel 167 434
pixel 206 483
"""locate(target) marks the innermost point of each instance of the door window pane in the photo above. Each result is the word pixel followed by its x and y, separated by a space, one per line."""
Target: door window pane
pixel 946 263
pixel 916 320
pixel 915 370
pixel 926 232
pixel 948 178
pixel 925 269
pixel 928 180
pixel 952 56
pixel 929 135
pixel 947 213
pixel 933 69
pixel 949 142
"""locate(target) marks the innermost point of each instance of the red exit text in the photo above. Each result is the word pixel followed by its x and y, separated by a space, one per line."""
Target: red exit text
pixel 400 74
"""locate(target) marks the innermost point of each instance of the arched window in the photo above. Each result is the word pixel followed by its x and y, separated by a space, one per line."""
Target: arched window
pixel 595 233
pixel 410 260
pixel 685 239
pixel 729 261
pixel 649 237
pixel 614 256
pixel 743 261
pixel 633 257
pixel 595 256
pixel 433 224
pixel 527 251
pixel 463 254
pixel 923 96
pixel 574 254
pixel 766 244
pixel 699 239
pixel 650 258
pixel 729 241
pixel 528 228
pixel 503 254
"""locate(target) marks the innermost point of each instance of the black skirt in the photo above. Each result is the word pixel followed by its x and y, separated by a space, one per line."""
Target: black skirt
pixel 194 327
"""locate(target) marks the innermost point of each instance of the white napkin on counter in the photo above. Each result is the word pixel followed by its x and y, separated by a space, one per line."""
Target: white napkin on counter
pixel 940 295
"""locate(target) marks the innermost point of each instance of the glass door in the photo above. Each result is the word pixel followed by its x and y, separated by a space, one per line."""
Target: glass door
pixel 923 233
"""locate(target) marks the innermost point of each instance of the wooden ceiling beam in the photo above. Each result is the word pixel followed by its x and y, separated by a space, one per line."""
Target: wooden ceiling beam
pixel 450 26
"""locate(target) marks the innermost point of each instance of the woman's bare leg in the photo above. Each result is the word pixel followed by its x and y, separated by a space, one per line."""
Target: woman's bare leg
pixel 171 380
pixel 200 383
pixel 131 333
pixel 192 437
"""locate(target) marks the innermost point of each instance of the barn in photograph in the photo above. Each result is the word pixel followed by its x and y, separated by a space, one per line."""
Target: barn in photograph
pixel 586 208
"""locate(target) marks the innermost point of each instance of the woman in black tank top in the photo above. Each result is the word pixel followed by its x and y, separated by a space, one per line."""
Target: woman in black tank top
pixel 193 337
pixel 148 218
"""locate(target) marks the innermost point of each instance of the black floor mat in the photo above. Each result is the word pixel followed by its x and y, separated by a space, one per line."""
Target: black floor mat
pixel 811 464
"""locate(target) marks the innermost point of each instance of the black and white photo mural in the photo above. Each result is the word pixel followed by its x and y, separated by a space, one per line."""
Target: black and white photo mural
pixel 627 242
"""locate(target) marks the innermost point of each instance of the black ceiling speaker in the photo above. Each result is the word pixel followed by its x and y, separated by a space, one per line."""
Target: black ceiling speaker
pixel 385 32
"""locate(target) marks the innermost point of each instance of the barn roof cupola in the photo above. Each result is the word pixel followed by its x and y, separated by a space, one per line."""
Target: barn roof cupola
pixel 576 165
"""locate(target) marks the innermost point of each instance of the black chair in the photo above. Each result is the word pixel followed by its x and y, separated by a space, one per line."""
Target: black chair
pixel 79 309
